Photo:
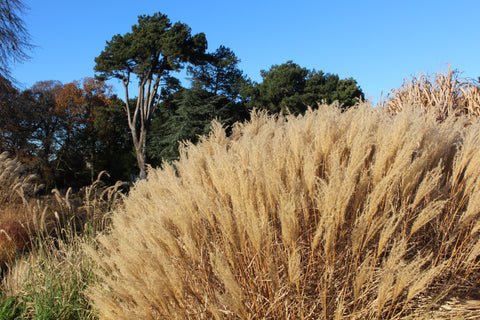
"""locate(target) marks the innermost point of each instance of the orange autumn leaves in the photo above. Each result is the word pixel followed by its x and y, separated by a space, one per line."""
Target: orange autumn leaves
pixel 77 100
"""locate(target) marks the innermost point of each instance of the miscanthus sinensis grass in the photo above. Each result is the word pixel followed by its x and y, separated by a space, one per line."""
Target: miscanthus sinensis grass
pixel 330 215
pixel 445 93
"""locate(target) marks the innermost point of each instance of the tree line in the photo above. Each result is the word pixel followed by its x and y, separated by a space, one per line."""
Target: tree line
pixel 68 133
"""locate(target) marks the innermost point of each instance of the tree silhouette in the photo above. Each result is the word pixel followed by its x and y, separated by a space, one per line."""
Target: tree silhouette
pixel 14 37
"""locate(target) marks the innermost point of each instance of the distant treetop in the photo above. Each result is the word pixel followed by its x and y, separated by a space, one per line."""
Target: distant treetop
pixel 291 88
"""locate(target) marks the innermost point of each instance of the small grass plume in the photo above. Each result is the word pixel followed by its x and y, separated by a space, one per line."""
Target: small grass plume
pixel 14 180
pixel 354 215
pixel 88 210
pixel 447 93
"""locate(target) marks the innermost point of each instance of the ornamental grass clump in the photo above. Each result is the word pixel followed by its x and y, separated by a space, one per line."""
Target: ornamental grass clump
pixel 330 215
pixel 447 93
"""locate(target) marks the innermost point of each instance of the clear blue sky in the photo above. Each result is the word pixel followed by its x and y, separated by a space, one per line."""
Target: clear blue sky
pixel 378 43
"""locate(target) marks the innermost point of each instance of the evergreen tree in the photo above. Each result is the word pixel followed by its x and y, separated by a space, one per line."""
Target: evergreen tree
pixel 219 74
pixel 291 88
pixel 214 94
pixel 153 49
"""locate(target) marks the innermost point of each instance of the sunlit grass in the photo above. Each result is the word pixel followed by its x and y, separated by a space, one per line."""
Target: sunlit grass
pixel 45 275
pixel 331 215
pixel 371 213
pixel 446 93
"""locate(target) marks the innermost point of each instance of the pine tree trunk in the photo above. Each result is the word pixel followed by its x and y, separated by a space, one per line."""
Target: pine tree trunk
pixel 141 157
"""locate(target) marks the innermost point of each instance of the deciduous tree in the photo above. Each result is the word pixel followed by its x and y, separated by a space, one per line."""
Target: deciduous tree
pixel 37 107
pixel 15 128
pixel 14 37
pixel 79 102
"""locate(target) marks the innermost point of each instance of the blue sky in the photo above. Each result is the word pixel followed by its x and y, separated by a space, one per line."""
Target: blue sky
pixel 378 43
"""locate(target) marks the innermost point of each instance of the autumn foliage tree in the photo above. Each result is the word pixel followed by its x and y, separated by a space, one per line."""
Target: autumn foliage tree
pixel 78 102
pixel 81 104
pixel 151 51
pixel 66 134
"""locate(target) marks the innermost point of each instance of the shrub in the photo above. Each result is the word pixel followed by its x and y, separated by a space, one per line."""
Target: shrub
pixel 331 215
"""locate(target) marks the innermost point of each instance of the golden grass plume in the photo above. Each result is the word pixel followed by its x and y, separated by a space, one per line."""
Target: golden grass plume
pixel 330 215
pixel 446 92
pixel 14 180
